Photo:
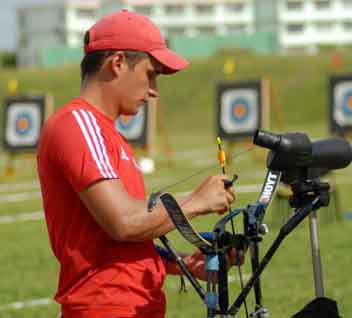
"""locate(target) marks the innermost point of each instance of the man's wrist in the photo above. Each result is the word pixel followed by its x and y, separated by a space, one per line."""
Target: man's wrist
pixel 191 206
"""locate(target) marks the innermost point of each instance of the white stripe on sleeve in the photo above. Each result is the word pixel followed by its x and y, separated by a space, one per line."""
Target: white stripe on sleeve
pixel 89 142
pixel 101 140
pixel 97 145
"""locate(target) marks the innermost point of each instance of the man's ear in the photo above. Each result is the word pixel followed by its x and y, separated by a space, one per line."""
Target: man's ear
pixel 117 63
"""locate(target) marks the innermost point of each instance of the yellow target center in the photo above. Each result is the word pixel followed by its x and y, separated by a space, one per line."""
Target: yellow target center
pixel 22 124
pixel 239 110
pixel 349 103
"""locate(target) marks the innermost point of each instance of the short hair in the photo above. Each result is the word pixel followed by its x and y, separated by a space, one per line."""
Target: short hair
pixel 92 62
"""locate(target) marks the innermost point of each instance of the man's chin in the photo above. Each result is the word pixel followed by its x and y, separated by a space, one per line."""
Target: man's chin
pixel 131 112
pixel 134 112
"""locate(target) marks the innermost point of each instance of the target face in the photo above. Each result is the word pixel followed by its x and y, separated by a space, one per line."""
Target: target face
pixel 238 109
pixel 341 104
pixel 134 128
pixel 24 118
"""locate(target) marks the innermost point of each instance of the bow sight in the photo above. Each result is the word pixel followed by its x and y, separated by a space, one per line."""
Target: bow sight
pixel 298 162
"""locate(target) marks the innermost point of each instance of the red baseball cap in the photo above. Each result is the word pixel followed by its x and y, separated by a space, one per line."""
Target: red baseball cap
pixel 126 30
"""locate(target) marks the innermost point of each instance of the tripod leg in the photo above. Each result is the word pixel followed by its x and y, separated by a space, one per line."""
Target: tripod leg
pixel 317 267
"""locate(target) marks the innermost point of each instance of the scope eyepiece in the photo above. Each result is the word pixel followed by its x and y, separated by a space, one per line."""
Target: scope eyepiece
pixel 295 142
pixel 266 139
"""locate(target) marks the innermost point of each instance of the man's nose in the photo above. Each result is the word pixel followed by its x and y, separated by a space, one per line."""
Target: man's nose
pixel 153 92
pixel 153 88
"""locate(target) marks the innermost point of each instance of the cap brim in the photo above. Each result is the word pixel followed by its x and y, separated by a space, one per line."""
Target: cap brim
pixel 171 62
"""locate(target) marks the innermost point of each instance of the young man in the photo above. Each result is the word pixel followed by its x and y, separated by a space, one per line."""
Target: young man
pixel 93 192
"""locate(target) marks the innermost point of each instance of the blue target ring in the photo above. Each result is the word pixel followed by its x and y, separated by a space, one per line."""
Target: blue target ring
pixel 23 123
pixel 347 104
pixel 239 110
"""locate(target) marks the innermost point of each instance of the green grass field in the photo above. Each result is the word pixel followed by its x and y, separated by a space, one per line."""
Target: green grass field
pixel 28 271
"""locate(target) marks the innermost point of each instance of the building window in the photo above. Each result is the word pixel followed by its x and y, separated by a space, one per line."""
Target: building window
pixel 294 5
pixel 173 31
pixel 58 34
pixel 21 18
pixel 347 25
pixel 295 28
pixel 234 7
pixel 174 9
pixel 204 8
pixel 324 26
pixel 209 30
pixel 61 15
pixel 144 9
pixel 236 28
pixel 85 13
pixel 322 4
pixel 347 3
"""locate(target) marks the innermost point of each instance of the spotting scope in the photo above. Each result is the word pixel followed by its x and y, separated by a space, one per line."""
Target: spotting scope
pixel 297 157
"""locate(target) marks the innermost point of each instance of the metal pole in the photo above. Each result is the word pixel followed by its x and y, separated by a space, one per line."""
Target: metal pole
pixel 316 259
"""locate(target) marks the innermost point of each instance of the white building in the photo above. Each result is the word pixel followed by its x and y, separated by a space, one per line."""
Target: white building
pixel 301 24
pixel 314 23
pixel 59 24
pixel 297 23
pixel 192 17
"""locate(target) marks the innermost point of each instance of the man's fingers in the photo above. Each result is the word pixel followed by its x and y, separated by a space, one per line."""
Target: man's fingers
pixel 229 183
pixel 214 195
pixel 235 257
pixel 231 194
pixel 229 197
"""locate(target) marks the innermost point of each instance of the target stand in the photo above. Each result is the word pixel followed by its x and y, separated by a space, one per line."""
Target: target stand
pixel 23 119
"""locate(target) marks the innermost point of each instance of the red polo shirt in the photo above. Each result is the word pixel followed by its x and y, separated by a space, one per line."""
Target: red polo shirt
pixel 99 277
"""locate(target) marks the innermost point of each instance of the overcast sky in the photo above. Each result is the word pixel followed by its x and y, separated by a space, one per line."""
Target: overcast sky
pixel 8 33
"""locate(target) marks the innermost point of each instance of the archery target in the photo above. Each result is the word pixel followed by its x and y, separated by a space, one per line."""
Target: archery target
pixel 133 127
pixel 238 110
pixel 23 122
pixel 342 104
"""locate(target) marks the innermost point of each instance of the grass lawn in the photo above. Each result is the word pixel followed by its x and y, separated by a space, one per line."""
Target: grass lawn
pixel 29 271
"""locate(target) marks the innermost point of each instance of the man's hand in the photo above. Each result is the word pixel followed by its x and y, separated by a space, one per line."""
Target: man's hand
pixel 210 196
pixel 196 263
